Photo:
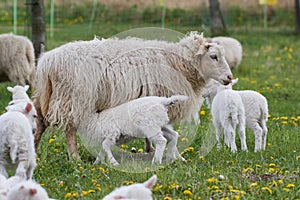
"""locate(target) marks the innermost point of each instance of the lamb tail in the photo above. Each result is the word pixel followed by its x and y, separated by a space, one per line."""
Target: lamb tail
pixel 175 98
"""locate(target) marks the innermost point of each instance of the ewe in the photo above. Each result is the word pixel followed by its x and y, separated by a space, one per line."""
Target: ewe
pixel 17 59
pixel 134 192
pixel 85 77
pixel 146 117
pixel 256 111
pixel 16 139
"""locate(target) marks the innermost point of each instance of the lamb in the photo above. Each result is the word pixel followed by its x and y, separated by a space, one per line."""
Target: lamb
pixel 19 93
pixel 134 191
pixel 145 117
pixel 84 77
pixel 233 50
pixel 16 139
pixel 228 112
pixel 17 60
pixel 256 111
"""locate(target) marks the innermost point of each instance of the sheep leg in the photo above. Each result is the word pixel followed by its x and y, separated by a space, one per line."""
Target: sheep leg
pixel 106 146
pixel 22 169
pixel 229 130
pixel 264 134
pixel 258 134
pixel 71 143
pixel 218 128
pixel 172 137
pixel 148 147
pixel 41 126
pixel 242 134
pixel 160 145
pixel 2 168
pixel 30 170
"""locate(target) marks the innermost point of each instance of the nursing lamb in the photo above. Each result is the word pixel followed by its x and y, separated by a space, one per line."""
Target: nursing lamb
pixel 256 110
pixel 16 139
pixel 145 117
pixel 84 77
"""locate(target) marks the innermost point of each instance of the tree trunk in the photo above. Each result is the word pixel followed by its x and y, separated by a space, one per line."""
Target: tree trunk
pixel 297 17
pixel 38 27
pixel 216 18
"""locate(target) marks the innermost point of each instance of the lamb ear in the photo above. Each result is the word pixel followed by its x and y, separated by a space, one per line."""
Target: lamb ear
pixel 26 87
pixel 118 197
pixel 150 182
pixel 10 89
pixel 32 191
pixel 28 107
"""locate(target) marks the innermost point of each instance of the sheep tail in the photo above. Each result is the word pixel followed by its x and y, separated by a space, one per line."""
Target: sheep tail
pixel 30 55
pixel 46 97
pixel 174 99
pixel 13 153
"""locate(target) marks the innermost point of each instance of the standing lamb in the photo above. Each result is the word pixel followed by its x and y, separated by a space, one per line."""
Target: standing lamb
pixel 228 112
pixel 233 50
pixel 256 111
pixel 134 192
pixel 145 117
pixel 17 59
pixel 16 139
pixel 19 93
pixel 85 77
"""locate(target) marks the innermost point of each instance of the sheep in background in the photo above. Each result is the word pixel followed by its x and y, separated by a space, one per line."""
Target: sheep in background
pixel 233 50
pixel 228 113
pixel 84 77
pixel 256 111
pixel 16 139
pixel 145 117
pixel 17 60
pixel 134 191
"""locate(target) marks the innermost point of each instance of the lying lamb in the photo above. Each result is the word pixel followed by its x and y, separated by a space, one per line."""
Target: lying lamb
pixel 133 192
pixel 228 112
pixel 146 117
pixel 17 59
pixel 16 139
pixel 256 111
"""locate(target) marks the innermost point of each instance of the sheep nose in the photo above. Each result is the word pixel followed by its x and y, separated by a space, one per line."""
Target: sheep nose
pixel 229 77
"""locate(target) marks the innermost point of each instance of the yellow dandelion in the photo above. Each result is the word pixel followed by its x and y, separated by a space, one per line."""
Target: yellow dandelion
pixel 246 170
pixel 272 165
pixel 68 195
pixel 140 150
pixel 269 144
pixel 274 183
pixel 254 185
pixel 84 193
pixel 277 58
pixel 56 150
pixel 93 169
pixel 124 146
pixel 242 192
pixel 277 85
pixel 284 118
pixel 184 139
pixel 189 149
pixel 280 182
pixel 158 187
pixel 237 197
pixel 286 189
pixel 234 191
pixel 258 166
pixel 214 187
pixel 187 192
pixel 271 170
pixel 167 198
pixel 202 112
pixel 298 158
pixel 284 122
pixel 290 185
pixel 50 140
pixel 61 183
pixel 212 180
pixel 37 159
pixel 202 158
pixel 267 189
pixel 91 191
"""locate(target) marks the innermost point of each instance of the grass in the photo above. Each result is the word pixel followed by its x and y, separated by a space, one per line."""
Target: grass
pixel 270 66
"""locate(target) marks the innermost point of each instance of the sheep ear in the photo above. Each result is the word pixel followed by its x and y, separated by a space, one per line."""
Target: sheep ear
pixel 26 87
pixel 149 183
pixel 118 197
pixel 10 89
pixel 234 81
pixel 28 107
pixel 32 191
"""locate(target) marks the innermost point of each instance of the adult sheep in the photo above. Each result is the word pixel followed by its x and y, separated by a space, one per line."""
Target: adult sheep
pixel 16 59
pixel 83 77
pixel 233 50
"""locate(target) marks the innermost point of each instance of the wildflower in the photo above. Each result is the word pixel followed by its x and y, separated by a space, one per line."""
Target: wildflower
pixel 189 149
pixel 284 122
pixel 37 159
pixel 274 183
pixel 140 150
pixel 98 187
pixel 247 170
pixel 83 193
pixel 214 187
pixel 158 187
pixel 167 198
pixel 280 182
pixel 202 112
pixel 254 185
pixel 271 170
pixel 187 192
pixel 267 189
pixel 124 146
pixel 174 186
pixel 56 150
pixel 202 158
pixel 50 140
pixel 272 165
pixel 91 191
pixel 61 183
pixel 277 58
pixel 284 118
pixel 212 180
pixel 286 189
pixel 290 185
pixel 68 195
pixel 236 197
pixel 258 166
pixel 184 139
pixel 298 158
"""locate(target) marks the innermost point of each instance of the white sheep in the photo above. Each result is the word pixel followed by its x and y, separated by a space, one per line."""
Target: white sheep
pixel 19 93
pixel 256 111
pixel 145 117
pixel 134 192
pixel 83 77
pixel 17 59
pixel 228 113
pixel 16 139
pixel 233 50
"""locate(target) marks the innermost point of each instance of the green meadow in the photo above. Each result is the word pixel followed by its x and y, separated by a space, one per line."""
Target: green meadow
pixel 270 66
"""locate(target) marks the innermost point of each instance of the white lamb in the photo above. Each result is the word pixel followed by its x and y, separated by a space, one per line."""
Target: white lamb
pixel 146 117
pixel 133 192
pixel 233 50
pixel 16 139
pixel 256 111
pixel 19 93
pixel 17 59
pixel 228 113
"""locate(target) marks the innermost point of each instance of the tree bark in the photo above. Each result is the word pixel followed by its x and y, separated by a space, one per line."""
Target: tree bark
pixel 297 17
pixel 216 18
pixel 38 27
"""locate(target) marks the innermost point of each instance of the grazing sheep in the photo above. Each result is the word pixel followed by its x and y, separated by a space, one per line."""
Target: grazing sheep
pixel 134 192
pixel 17 59
pixel 228 112
pixel 256 111
pixel 85 77
pixel 233 50
pixel 16 139
pixel 145 117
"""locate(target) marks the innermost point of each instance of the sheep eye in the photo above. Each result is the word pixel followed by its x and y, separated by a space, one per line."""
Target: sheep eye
pixel 214 57
pixel 34 116
pixel 11 104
